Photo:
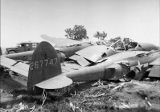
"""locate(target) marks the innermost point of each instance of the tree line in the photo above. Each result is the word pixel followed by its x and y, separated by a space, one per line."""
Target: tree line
pixel 79 32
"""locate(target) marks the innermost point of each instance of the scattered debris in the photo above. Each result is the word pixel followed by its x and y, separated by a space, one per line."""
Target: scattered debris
pixel 72 89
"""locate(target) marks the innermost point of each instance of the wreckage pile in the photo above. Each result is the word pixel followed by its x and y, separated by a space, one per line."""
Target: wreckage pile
pixel 45 84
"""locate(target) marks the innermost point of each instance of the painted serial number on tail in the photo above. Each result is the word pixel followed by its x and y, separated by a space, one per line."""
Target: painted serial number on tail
pixel 42 63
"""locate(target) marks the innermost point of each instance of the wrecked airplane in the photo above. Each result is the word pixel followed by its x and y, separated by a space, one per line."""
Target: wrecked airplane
pixel 45 70
pixel 113 68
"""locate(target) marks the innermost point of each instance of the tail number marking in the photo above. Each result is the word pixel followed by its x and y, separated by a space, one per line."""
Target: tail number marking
pixel 42 63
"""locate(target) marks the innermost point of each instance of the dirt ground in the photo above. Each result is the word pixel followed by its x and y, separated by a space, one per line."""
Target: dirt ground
pixel 100 96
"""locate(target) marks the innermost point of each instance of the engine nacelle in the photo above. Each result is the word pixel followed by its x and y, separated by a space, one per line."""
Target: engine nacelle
pixel 116 71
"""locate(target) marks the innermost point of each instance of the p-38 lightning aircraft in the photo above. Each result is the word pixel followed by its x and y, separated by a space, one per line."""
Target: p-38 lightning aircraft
pixel 45 70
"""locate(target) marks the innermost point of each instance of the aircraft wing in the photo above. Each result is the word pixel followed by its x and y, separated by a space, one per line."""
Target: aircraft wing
pixel 59 42
pixel 18 67
pixel 92 54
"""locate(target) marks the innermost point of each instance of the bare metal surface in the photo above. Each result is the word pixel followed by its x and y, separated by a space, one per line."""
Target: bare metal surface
pixel 155 71
pixel 156 62
pixel 93 53
pixel 60 41
pixel 80 60
pixel 59 81
pixel 108 69
pixel 18 67
pixel 27 53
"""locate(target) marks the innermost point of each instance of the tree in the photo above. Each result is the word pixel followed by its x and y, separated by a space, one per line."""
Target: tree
pixel 77 33
pixel 100 35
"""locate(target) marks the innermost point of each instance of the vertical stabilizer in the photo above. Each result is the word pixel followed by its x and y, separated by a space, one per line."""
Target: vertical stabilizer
pixel 44 65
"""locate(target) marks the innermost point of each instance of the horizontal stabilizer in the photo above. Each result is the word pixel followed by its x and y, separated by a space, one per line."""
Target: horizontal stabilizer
pixel 56 82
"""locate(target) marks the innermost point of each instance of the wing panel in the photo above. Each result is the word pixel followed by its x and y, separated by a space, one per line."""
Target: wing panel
pixel 60 41
pixel 18 67
pixel 93 53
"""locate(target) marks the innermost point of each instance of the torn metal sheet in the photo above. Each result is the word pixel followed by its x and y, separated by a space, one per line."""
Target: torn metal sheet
pixel 94 53
pixel 80 60
pixel 155 71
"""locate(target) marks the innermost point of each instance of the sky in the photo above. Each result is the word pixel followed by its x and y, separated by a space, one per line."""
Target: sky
pixel 26 20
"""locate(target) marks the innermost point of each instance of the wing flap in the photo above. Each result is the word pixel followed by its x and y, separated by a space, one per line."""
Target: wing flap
pixel 56 82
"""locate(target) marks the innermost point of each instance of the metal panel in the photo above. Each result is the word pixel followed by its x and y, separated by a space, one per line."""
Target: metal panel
pixel 155 72
pixel 60 41
pixel 80 60
pixel 18 67
pixel 56 82
pixel 14 55
pixel 93 53
pixel 67 67
pixel 156 62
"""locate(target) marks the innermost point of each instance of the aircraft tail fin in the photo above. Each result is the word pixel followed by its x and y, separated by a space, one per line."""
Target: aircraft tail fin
pixel 44 65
